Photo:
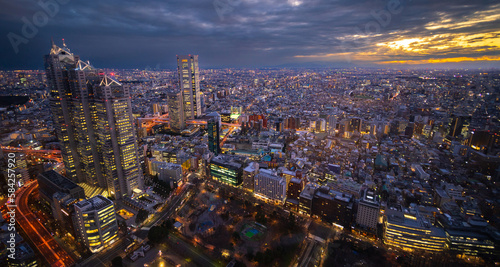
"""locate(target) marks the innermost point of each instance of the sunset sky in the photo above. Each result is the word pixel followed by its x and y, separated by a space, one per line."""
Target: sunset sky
pixel 259 33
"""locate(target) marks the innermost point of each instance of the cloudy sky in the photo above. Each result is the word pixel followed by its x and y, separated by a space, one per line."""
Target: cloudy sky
pixel 254 33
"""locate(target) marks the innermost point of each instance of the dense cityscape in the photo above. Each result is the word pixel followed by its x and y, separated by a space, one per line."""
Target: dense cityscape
pixel 230 133
pixel 249 167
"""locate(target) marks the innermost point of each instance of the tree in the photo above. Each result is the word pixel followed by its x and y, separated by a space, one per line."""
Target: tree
pixel 168 224
pixel 192 226
pixel 291 222
pixel 117 262
pixel 141 216
pixel 157 233
pixel 261 217
pixel 236 236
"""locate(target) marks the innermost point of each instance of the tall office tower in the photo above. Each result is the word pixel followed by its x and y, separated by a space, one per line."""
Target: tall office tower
pixel 69 103
pixel 94 124
pixel 457 124
pixel 117 142
pixel 176 110
pixel 332 123
pixel 95 222
pixel 213 136
pixel 189 83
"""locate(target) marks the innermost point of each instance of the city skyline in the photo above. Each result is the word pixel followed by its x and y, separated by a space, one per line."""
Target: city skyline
pixel 393 33
pixel 250 133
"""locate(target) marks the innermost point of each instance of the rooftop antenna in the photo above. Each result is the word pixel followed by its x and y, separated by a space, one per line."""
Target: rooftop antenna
pixel 64 45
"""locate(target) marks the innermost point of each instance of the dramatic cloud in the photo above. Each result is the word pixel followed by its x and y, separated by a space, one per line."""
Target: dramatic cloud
pixel 131 34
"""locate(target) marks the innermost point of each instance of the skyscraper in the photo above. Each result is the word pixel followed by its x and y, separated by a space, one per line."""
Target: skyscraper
pixel 189 84
pixel 94 124
pixel 66 77
pixel 213 136
pixel 175 110
pixel 115 133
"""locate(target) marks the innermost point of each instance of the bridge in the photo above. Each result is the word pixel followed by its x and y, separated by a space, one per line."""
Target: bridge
pixel 44 154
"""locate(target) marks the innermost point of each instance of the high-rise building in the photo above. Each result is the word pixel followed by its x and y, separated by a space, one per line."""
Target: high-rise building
pixel 94 124
pixel 170 173
pixel 213 136
pixel 355 125
pixel 95 222
pixel 333 206
pixel 176 111
pixel 306 198
pixel 249 175
pixel 270 186
pixel 294 189
pixel 71 110
pixel 115 133
pixel 226 171
pixel 457 124
pixel 189 84
pixel 368 211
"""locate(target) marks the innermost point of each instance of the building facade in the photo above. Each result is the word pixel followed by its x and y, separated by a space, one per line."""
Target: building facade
pixel 95 221
pixel 213 136
pixel 189 83
pixel 226 172
pixel 368 211
pixel 94 124
pixel 176 111
pixel 268 185
pixel 410 232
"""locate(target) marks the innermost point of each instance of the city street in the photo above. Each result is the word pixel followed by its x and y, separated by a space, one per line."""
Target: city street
pixel 54 254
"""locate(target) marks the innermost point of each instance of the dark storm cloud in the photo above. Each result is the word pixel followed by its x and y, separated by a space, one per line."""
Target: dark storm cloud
pixel 248 32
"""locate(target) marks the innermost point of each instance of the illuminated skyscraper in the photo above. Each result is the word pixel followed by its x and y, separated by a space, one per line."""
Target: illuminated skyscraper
pixel 69 101
pixel 176 110
pixel 115 132
pixel 94 124
pixel 189 84
pixel 213 136
pixel 95 222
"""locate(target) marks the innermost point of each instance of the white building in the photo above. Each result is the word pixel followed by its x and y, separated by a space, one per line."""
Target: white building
pixel 170 172
pixel 95 222
pixel 268 185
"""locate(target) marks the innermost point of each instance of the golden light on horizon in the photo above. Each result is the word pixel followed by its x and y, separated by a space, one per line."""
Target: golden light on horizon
pixel 443 60
pixel 447 39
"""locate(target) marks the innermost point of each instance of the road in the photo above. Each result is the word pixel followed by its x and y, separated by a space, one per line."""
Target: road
pixel 45 154
pixel 43 241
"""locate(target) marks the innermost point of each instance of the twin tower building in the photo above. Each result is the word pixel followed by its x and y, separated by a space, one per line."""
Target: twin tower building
pixel 93 119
